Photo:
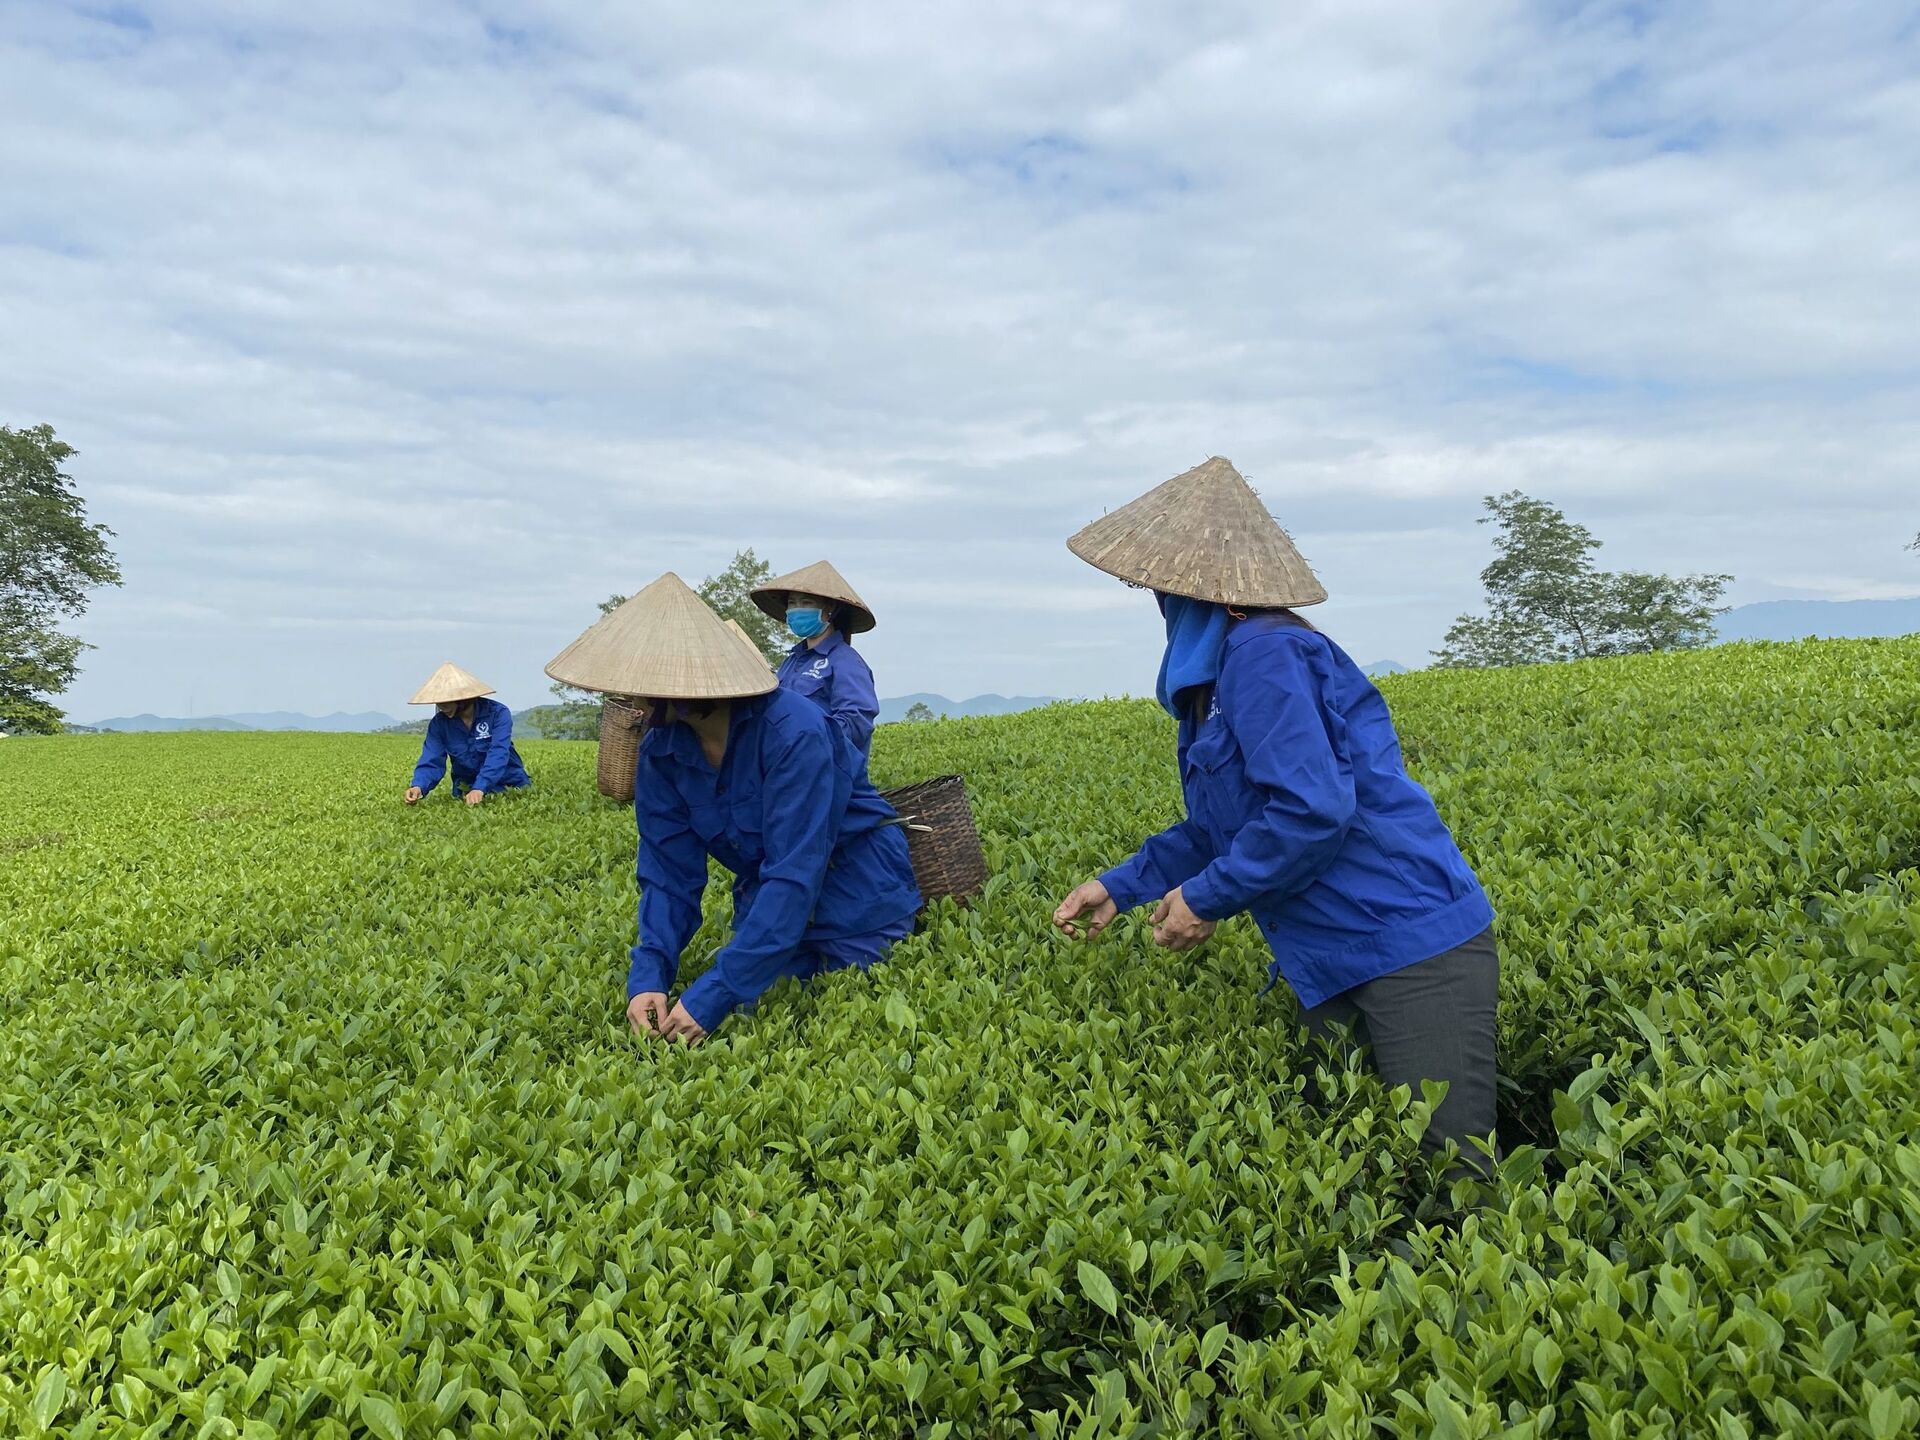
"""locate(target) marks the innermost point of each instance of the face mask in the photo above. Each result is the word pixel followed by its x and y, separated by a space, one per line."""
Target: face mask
pixel 806 623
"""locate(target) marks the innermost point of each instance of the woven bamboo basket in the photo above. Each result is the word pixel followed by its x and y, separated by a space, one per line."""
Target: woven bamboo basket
pixel 622 725
pixel 942 839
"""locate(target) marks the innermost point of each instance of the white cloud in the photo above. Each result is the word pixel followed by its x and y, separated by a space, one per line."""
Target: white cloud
pixel 409 326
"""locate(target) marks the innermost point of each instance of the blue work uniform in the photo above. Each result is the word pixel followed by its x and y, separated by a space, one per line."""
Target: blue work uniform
pixel 1300 811
pixel 835 677
pixel 821 874
pixel 483 757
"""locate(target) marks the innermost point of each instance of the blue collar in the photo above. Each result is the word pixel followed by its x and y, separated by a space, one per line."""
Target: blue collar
pixel 833 641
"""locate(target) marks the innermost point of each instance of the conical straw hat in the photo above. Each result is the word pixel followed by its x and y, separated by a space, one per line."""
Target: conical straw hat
pixel 450 682
pixel 820 579
pixel 1206 535
pixel 663 644
pixel 744 638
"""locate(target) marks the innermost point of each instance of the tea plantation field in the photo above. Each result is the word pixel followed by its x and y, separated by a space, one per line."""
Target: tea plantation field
pixel 318 1115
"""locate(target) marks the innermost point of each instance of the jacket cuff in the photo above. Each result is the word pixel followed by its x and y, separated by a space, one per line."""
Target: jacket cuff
pixel 708 1001
pixel 647 975
pixel 1204 899
pixel 1124 886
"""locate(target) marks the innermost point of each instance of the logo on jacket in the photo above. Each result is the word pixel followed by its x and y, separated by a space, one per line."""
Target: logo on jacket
pixel 819 668
pixel 483 731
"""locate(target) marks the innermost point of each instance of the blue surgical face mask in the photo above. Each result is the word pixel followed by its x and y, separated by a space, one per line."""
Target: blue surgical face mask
pixel 806 623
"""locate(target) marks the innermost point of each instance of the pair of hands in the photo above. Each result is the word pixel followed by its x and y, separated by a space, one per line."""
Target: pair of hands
pixel 647 1013
pixel 414 792
pixel 1090 909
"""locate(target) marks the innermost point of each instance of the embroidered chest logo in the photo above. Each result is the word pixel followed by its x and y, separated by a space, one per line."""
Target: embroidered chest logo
pixel 818 669
pixel 1213 705
pixel 483 731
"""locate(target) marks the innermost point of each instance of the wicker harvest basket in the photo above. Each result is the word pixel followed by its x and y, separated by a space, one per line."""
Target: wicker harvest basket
pixel 941 838
pixel 622 724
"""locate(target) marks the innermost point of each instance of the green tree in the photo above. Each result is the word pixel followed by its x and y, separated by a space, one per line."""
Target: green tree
pixel 730 593
pixel 50 557
pixel 919 710
pixel 1547 600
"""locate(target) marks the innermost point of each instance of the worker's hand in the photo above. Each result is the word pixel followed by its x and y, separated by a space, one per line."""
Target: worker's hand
pixel 1090 901
pixel 474 797
pixel 414 792
pixel 647 1012
pixel 1177 927
pixel 683 1027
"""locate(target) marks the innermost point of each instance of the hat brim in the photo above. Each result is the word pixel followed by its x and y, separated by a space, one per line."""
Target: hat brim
pixel 774 603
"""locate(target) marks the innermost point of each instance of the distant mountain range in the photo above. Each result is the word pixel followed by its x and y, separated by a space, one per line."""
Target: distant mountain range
pixel 270 720
pixel 1385 667
pixel 1821 619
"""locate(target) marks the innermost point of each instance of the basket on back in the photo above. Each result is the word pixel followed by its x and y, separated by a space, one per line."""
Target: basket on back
pixel 622 726
pixel 942 840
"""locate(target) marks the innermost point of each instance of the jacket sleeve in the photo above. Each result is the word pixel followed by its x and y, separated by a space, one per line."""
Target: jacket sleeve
pixel 856 704
pixel 499 750
pixel 1293 743
pixel 1171 858
pixel 672 870
pixel 433 756
pixel 804 805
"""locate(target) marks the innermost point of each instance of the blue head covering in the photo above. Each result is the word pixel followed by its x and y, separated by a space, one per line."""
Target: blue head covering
pixel 1196 644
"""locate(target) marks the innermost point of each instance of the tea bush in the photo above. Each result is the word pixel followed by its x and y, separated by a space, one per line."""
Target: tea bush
pixel 318 1115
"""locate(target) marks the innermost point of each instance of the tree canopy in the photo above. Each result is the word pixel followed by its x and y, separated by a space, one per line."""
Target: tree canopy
pixel 1547 600
pixel 50 557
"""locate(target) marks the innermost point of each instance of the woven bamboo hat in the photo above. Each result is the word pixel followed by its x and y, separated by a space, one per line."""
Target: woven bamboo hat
pixel 820 579
pixel 447 683
pixel 1205 535
pixel 663 644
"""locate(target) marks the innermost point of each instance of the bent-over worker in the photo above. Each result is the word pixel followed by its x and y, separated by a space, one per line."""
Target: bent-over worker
pixel 1300 811
pixel 469 732
pixel 736 769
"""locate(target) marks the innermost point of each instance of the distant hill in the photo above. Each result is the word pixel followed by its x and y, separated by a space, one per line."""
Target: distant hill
pixel 1824 619
pixel 143 723
pixel 365 721
pixel 1386 667
pixel 896 709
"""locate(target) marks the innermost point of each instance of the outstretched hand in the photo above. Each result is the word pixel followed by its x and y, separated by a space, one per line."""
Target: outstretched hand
pixel 1086 912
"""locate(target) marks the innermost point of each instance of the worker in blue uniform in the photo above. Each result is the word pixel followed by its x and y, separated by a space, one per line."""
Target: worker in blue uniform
pixel 823 611
pixel 735 769
pixel 469 732
pixel 1300 811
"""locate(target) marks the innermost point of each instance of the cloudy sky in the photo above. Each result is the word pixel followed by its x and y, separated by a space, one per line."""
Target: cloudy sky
pixel 392 331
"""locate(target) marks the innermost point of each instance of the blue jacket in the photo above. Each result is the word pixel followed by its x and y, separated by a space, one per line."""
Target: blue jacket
pixel 791 813
pixel 836 678
pixel 1300 811
pixel 483 757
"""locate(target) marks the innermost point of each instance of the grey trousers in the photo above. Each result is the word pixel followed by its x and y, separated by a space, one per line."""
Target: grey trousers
pixel 1431 1021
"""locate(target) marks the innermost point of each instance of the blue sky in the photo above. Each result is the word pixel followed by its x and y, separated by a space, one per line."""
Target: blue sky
pixel 398 332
